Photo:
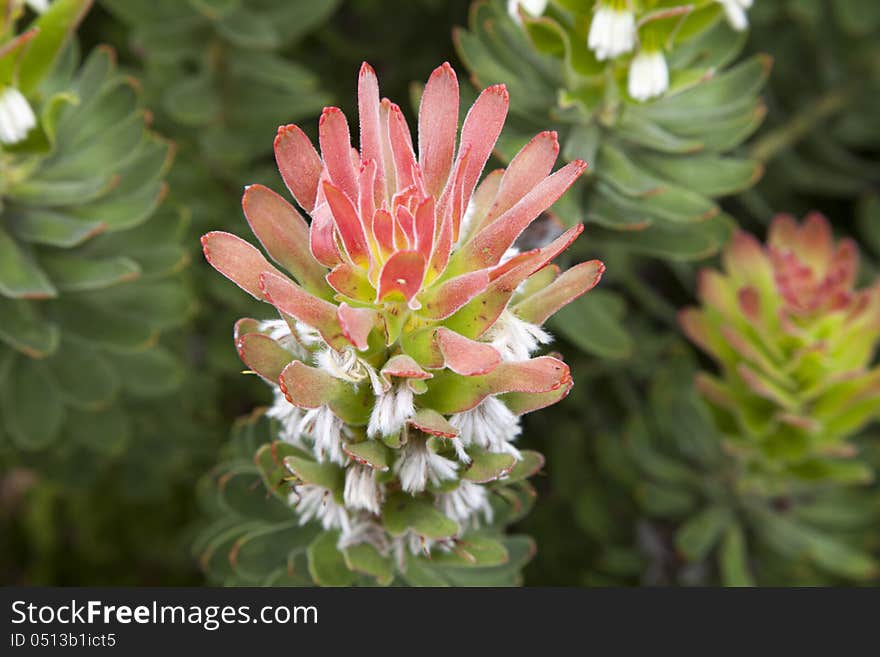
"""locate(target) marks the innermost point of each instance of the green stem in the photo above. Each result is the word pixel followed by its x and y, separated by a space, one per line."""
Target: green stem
pixel 649 300
pixel 796 128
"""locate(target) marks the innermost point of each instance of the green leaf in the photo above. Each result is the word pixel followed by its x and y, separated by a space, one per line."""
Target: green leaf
pixel 711 175
pixel 530 464
pixel 24 328
pixel 192 101
pixel 261 551
pixel 107 432
pixel 32 413
pixel 402 512
pixel 248 29
pixel 700 533
pixel 326 475
pixel 74 273
pixel 51 228
pixel 57 193
pixel 20 277
pixel 664 501
pixel 473 550
pixel 617 168
pixel 82 375
pixel 371 452
pixel 149 373
pixel 102 327
pixel 240 491
pixel 326 564
pixel 733 558
pixel 487 466
pixel 592 322
pixel 364 558
pixel 56 26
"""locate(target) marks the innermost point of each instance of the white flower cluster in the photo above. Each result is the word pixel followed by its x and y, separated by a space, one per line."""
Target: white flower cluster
pixel 613 30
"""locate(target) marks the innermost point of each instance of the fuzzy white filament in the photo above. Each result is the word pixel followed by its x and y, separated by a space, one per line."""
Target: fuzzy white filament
pixel 648 75
pixel 16 116
pixel 612 32
pixel 516 339
pixel 288 416
pixel 466 503
pixel 316 503
pixel 391 410
pixel 418 465
pixel 361 489
pixel 278 330
pixel 490 425
pixel 365 530
pixel 326 432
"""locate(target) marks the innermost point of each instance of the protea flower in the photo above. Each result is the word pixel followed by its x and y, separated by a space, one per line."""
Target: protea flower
pixel 401 359
pixel 795 342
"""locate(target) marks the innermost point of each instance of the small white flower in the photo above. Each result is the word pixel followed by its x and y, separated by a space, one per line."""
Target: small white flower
pixel 735 11
pixel 516 339
pixel 316 503
pixel 466 503
pixel 288 416
pixel 490 425
pixel 326 432
pixel 361 489
pixel 648 75
pixel 39 6
pixel 418 465
pixel 391 410
pixel 612 32
pixel 531 7
pixel 16 116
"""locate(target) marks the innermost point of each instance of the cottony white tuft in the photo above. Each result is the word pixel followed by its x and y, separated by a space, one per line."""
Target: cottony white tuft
pixel 613 30
pixel 16 116
pixel 288 416
pixel 466 503
pixel 735 11
pixel 278 330
pixel 391 410
pixel 347 366
pixel 648 75
pixel 315 503
pixel 514 338
pixel 418 465
pixel 365 530
pixel 490 425
pixel 326 432
pixel 361 489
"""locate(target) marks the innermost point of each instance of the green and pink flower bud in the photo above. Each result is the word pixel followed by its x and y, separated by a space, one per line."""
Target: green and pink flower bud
pixel 402 359
pixel 795 341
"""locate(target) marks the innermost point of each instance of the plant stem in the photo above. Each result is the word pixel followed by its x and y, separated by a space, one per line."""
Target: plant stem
pixel 796 128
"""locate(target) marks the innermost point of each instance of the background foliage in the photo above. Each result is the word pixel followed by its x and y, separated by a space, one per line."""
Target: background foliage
pixel 637 488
